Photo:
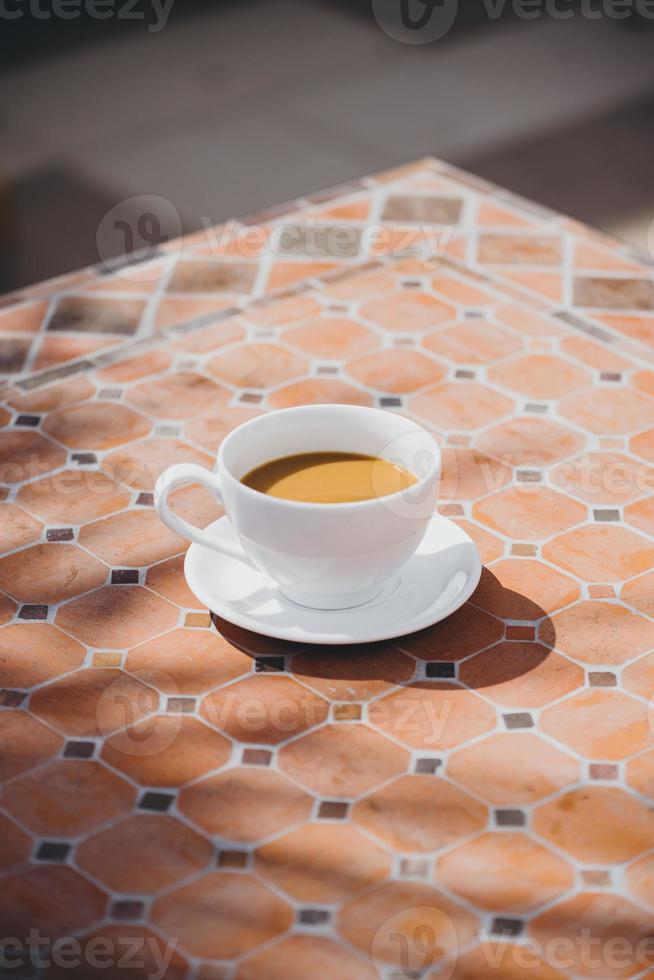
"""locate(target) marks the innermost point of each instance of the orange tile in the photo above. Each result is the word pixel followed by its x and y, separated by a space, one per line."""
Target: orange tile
pixel 467 474
pixel 55 897
pixel 257 366
pixel 93 702
pixel 322 863
pixel 209 339
pixel 50 573
pixel 132 539
pixel 643 445
pixel 464 632
pixel 133 368
pixel 17 528
pixel 57 350
pixel 640 879
pixel 644 381
pixel 279 312
pixel 600 633
pixel 640 773
pixel 395 371
pixel 287 273
pixel 208 431
pixel 67 798
pixel 7 609
pixel 472 342
pixel 637 327
pixel 299 957
pixel 228 805
pixel 512 768
pixel 173 310
pixel 640 593
pixel 15 846
pixel 67 392
pixel 600 724
pixel 401 814
pixel 460 405
pixel 359 285
pixel 521 675
pixel 529 513
pixel 168 750
pixel 639 676
pixel 73 496
pixel 96 425
pixel 513 249
pixel 25 743
pixel 602 935
pixel 539 376
pixel 489 213
pixel 530 442
pixel 144 853
pixel 355 673
pixel 24 318
pixel 500 960
pixel 604 478
pixel 607 411
pixel 597 824
pixel 26 455
pixel 140 465
pixel 177 396
pixel 222 915
pixel 331 337
pixel 595 355
pixel 598 553
pixel 526 321
pixel 376 922
pixel 587 256
pixel 490 548
pixel 547 284
pixel 432 715
pixel 187 662
pixel 316 391
pixel 117 616
pixel 167 579
pixel 641 515
pixel 342 760
pixel 407 312
pixel 264 709
pixel 517 588
pixel 504 872
pixel 461 292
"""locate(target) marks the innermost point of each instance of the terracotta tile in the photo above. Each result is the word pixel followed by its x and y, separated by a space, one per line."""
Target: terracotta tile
pixel 640 774
pixel 545 284
pixel 15 846
pixel 93 702
pixel 539 376
pixel 173 310
pixel 374 922
pixel 472 342
pixel 637 327
pixel 468 474
pixel 117 616
pixel 177 396
pixel 641 515
pixel 87 314
pixel 512 768
pixel 133 368
pixel 460 405
pixel 25 743
pixel 299 957
pixel 167 579
pixel 521 675
pixel 596 824
pixel 595 355
pixel 187 662
pixel 68 797
pixel 208 431
pixel 603 935
pixel 518 874
pixel 529 513
pixel 257 366
pixel 49 573
pixel 139 466
pixel 355 673
pixel 599 723
pixel 530 442
pixel 460 292
pixel 398 372
pixel 143 853
pixel 342 760
pixel 279 312
pixel 166 751
pixel 287 273
pixel 640 879
pixel 73 496
pixel 13 353
pixel 213 277
pixel 464 632
pixel 209 339
pixel 17 528
pixel 322 863
pixel 26 318
pixel 264 709
pixel 57 898
pixel 600 633
pixel 525 320
pixel 513 249
pixel 614 294
pixel 222 915
pixel 604 478
pixel 643 445
pixel 640 593
pixel 432 210
pixel 53 351
pixel 407 312
pixel 607 410
pixel 639 676
pixel 229 805
pixel 317 391
pixel 490 548
pixel 96 425
pixel 499 961
pixel 134 538
pixel 26 455
pixel 599 553
pixel 358 285
pixel 432 715
pixel 67 392
pixel 135 953
pixel 331 337
pixel 401 814
pixel 516 588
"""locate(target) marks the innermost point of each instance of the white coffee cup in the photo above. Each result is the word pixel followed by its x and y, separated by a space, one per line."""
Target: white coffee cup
pixel 327 556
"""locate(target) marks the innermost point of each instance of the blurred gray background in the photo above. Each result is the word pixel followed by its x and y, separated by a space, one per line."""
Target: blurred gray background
pixel 236 106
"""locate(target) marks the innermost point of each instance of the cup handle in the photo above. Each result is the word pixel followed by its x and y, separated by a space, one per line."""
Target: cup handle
pixel 176 476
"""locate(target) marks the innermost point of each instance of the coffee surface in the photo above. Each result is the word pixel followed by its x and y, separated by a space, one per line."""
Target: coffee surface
pixel 329 478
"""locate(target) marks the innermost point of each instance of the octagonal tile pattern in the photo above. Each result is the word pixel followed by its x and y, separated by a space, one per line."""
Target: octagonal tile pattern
pixel 296 811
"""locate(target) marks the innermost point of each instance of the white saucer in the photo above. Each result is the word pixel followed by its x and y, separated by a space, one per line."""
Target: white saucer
pixel 440 577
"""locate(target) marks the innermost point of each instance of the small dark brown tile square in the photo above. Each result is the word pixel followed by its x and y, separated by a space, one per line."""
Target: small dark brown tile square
pixel 518 719
pixel 213 277
pixel 232 859
pixel 605 515
pixel 78 750
pixel 256 757
pixel 431 210
pixel 124 576
pixel 327 369
pixel 320 241
pixel 535 409
pixel 11 699
pixel 602 678
pixel 414 868
pixel 596 878
pixel 86 314
pixel 33 612
pixel 438 668
pixel 52 851
pixel 603 770
pixel 269 665
pixel 126 910
pixel 520 633
pixel 333 810
pixel 313 917
pixel 159 802
pixel 145 500
pixel 451 510
pixel 506 927
pixel 390 402
pixel 85 459
pixel 529 476
pixel 250 398
pixel 510 818
pixel 524 550
pixel 464 373
pixel 60 534
pixel 610 376
pixel 28 420
pixel 346 712
pixel 180 706
pixel 111 394
pixel 427 766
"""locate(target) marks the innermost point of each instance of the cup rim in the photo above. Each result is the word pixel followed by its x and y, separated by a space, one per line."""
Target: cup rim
pixel 224 472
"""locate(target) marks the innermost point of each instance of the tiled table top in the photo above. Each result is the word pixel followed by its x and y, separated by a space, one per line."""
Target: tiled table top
pixel 476 800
